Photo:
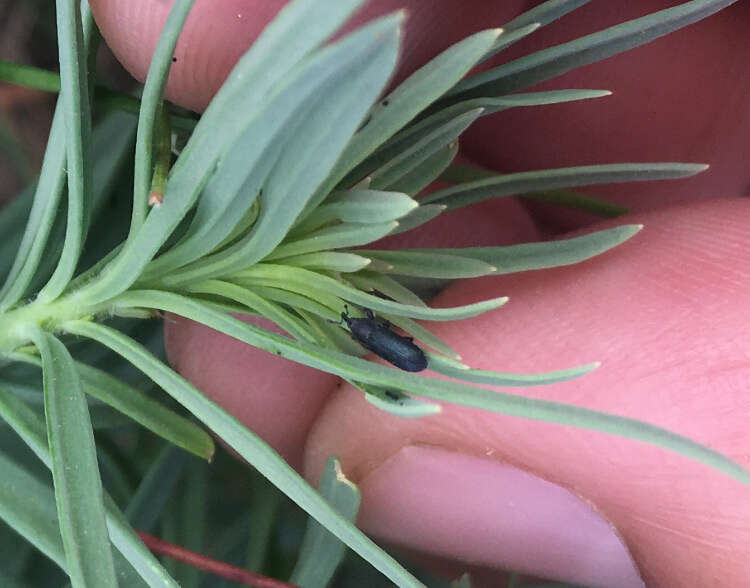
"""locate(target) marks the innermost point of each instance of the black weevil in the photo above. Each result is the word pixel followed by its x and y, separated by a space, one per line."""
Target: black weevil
pixel 377 336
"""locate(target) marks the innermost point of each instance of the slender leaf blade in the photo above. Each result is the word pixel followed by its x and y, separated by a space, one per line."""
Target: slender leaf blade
pixel 28 506
pixel 74 95
pixel 155 488
pixel 78 489
pixel 305 163
pixel 321 553
pixel 566 177
pixel 544 14
pixel 415 94
pixel 337 236
pixel 432 264
pixel 490 378
pixel 32 430
pixel 300 27
pixel 363 371
pixel 292 278
pixel 533 256
pixel 330 260
pixel 549 63
pixel 146 411
pixel 418 178
pixel 151 100
pixel 248 445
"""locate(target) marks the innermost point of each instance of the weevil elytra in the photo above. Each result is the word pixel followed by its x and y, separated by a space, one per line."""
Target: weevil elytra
pixel 376 335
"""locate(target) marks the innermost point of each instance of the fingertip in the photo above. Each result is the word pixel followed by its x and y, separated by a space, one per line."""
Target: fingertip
pixel 214 37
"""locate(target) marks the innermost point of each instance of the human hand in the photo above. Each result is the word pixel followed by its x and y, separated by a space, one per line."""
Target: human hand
pixel 664 313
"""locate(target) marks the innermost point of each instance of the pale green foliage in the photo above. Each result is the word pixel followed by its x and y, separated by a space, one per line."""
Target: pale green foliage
pixel 297 160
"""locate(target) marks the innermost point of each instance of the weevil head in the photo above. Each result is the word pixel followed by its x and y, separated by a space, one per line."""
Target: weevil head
pixel 345 316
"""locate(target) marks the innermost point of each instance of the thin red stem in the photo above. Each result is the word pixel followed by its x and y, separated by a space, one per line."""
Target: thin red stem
pixel 207 564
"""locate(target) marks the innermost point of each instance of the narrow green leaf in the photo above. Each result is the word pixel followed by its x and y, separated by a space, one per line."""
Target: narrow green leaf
pixel 296 301
pixel 112 140
pixel 264 504
pixel 26 423
pixel 522 182
pixel 532 256
pixel 306 281
pixel 505 379
pixel 248 445
pixel 74 96
pixel 544 14
pixel 193 500
pixel 321 553
pixel 300 27
pixel 509 38
pixel 489 105
pixel 31 77
pixel 430 264
pixel 133 550
pixel 151 100
pixel 146 411
pixel 32 430
pixel 140 407
pixel 368 61
pixel 356 206
pixel 420 216
pixel 416 93
pixel 368 206
pixel 421 176
pixel 399 163
pixel 243 171
pixel 78 489
pixel 397 403
pixel 285 320
pixel 329 260
pixel 28 507
pixel 387 286
pixel 549 63
pixel 578 201
pixel 337 236
pixel 42 216
pixel 367 372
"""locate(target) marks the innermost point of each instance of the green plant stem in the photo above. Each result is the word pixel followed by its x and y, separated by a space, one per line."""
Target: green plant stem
pixel 48 81
pixel 48 316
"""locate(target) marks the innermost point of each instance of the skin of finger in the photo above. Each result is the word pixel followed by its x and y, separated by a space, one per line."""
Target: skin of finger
pixel 678 98
pixel 666 314
pixel 275 397
pixel 216 34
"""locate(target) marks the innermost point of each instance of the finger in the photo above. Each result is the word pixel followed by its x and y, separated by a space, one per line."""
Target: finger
pixel 666 314
pixel 674 99
pixel 277 398
pixel 216 34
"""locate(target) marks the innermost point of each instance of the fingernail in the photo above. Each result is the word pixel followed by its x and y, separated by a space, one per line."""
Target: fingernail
pixel 487 513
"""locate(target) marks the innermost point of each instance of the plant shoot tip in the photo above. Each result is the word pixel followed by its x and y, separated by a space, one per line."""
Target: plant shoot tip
pixel 155 199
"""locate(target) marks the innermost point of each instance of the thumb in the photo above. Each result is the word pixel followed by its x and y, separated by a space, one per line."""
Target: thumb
pixel 666 314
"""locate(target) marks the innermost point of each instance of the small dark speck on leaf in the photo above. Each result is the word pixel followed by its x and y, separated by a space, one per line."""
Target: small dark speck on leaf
pixel 174 59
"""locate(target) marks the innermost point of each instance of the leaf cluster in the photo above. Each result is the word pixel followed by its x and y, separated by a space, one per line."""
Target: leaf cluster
pixel 268 205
